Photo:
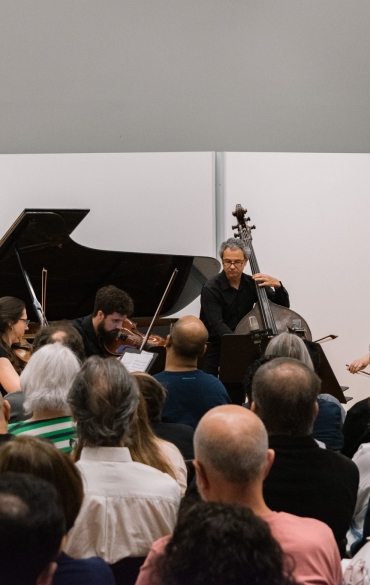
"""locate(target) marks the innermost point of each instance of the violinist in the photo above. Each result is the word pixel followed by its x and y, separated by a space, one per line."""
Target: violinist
pixel 112 306
pixel 229 296
pixel 13 325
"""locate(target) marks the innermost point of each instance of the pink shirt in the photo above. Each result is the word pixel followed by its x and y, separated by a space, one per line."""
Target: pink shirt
pixel 310 542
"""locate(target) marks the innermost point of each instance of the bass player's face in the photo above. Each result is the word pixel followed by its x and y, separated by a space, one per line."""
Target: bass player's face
pixel 233 262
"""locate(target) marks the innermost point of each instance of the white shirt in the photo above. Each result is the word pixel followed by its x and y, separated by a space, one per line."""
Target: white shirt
pixel 127 506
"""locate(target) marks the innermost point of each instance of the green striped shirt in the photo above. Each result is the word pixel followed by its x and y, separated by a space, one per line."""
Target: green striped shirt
pixel 58 430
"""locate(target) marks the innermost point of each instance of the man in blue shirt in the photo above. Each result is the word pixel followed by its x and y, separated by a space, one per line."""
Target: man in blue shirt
pixel 190 392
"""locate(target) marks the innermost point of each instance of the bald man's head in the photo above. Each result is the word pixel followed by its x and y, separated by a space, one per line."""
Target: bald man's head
pixel 188 337
pixel 233 441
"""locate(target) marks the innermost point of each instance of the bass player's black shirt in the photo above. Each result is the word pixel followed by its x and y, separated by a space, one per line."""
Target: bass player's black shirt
pixel 222 306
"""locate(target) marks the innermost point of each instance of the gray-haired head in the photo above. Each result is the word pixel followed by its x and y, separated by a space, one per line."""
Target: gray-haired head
pixel 233 441
pixel 235 244
pixel 285 396
pixel 289 345
pixel 47 378
pixel 103 398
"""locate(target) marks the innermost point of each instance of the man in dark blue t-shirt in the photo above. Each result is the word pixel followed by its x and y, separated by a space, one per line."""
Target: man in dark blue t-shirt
pixel 190 392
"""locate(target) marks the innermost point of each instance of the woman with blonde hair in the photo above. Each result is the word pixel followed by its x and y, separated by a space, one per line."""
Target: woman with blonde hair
pixel 146 448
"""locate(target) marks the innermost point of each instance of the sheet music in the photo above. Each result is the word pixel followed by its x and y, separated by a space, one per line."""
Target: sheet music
pixel 137 362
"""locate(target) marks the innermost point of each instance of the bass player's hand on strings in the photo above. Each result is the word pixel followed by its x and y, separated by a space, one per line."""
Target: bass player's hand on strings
pixel 266 280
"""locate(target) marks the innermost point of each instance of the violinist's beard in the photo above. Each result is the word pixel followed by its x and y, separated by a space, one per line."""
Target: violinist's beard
pixel 107 336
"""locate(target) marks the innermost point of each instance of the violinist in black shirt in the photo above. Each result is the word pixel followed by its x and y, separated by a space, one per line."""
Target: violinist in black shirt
pixel 112 307
pixel 229 296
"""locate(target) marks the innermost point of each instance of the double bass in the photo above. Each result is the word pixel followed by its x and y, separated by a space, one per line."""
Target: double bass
pixel 266 317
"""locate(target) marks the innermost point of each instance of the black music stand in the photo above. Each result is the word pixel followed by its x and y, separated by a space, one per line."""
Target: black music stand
pixel 238 352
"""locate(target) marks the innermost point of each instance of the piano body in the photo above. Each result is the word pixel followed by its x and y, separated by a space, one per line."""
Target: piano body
pixel 75 272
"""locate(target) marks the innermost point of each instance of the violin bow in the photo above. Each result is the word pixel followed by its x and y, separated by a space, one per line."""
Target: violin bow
pixel 360 372
pixel 159 308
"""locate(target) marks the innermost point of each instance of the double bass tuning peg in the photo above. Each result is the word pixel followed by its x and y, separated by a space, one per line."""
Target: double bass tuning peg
pixel 236 235
pixel 234 227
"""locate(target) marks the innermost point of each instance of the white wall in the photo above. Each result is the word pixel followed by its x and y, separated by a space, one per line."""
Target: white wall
pixel 175 75
pixel 146 202
pixel 311 214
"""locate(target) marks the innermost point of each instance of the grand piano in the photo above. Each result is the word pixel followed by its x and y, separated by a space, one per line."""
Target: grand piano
pixel 40 238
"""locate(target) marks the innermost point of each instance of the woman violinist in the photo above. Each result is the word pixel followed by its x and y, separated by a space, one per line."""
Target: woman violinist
pixel 13 325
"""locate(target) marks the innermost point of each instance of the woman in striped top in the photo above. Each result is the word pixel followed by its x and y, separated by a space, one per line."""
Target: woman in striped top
pixel 46 381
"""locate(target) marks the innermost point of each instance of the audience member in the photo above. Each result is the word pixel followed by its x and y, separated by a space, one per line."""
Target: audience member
pixel 304 480
pixel 328 424
pixel 218 544
pixel 176 433
pixel 32 526
pixel 64 332
pixel 41 458
pixel 362 460
pixel 127 505
pixel 190 392
pixel 232 459
pixel 146 448
pixel 45 382
pixel 356 428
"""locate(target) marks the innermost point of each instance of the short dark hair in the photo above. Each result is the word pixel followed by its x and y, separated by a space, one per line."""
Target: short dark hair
pixel 26 454
pixel 103 398
pixel 72 339
pixel 285 392
pixel 223 544
pixel 154 394
pixel 111 299
pixel 32 526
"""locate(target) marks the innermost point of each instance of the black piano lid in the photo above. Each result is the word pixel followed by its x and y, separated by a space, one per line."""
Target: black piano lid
pixel 76 272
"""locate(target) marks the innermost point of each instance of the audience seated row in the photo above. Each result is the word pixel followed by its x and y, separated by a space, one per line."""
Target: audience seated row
pixel 122 494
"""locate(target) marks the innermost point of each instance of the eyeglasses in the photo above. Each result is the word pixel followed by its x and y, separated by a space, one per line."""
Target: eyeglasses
pixel 26 321
pixel 235 262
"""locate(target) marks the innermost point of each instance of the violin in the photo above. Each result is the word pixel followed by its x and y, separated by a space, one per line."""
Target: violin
pixel 23 351
pixel 130 336
pixel 266 318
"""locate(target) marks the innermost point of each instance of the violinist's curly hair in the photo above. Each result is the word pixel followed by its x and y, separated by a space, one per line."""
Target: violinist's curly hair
pixel 223 544
pixel 111 299
pixel 103 398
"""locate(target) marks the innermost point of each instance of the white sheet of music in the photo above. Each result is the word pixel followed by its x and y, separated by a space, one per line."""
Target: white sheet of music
pixel 137 362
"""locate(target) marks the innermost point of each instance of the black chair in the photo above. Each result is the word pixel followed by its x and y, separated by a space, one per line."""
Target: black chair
pixel 126 570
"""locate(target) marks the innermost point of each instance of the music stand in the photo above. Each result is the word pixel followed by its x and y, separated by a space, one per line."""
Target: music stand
pixel 238 352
